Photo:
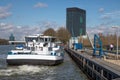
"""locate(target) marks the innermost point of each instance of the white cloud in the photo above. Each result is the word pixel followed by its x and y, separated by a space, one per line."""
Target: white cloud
pixel 5 26
pixel 2 24
pixel 104 29
pixel 40 5
pixel 105 17
pixel 101 10
pixel 4 11
pixel 112 15
pixel 21 31
pixel 47 24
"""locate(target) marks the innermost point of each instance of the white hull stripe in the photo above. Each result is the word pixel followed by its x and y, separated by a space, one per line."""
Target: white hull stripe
pixel 35 57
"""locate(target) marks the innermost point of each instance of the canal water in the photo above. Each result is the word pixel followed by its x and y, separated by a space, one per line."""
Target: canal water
pixel 65 71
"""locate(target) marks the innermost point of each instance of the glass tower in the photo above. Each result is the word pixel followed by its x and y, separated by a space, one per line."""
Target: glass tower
pixel 76 21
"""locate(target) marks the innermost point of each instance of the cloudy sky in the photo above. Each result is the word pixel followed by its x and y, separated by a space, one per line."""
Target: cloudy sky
pixel 25 17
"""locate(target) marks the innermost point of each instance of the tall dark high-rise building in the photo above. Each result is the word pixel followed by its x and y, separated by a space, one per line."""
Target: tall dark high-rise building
pixel 76 21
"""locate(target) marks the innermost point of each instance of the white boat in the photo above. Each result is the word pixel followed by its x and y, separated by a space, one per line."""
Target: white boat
pixel 40 50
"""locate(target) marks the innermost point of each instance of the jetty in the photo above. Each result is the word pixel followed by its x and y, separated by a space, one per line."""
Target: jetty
pixel 95 68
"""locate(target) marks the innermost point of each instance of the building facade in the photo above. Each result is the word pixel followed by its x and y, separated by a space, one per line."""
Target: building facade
pixel 11 38
pixel 76 21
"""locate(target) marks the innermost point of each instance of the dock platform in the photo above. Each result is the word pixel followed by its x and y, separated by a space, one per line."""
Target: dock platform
pixel 95 68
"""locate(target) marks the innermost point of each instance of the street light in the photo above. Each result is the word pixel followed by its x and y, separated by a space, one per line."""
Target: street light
pixel 117 30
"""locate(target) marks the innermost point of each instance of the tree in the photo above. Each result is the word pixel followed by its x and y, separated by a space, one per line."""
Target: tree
pixel 3 42
pixel 63 35
pixel 50 32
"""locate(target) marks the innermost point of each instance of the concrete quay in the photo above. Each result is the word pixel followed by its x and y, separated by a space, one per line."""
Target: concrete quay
pixel 95 68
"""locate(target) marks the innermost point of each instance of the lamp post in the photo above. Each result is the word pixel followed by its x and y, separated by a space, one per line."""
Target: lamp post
pixel 117 29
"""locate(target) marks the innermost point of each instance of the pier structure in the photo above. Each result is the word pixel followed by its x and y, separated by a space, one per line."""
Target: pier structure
pixel 94 68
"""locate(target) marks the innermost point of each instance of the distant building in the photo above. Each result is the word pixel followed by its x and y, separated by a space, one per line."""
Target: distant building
pixel 11 38
pixel 76 21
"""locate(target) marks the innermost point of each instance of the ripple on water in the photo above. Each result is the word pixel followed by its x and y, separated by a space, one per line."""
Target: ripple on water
pixel 22 70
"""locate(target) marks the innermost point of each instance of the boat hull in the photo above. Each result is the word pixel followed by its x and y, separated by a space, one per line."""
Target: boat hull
pixel 34 60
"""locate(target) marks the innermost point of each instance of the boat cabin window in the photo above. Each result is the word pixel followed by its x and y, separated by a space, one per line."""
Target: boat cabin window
pixel 30 39
pixel 46 39
pixel 41 40
pixel 53 39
